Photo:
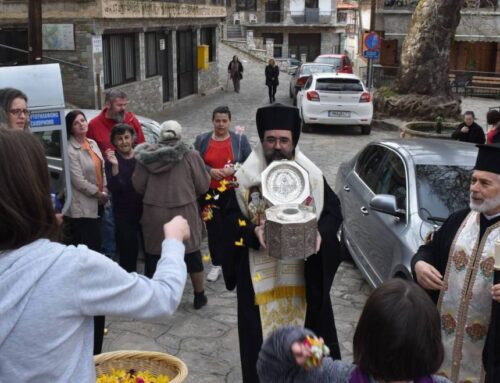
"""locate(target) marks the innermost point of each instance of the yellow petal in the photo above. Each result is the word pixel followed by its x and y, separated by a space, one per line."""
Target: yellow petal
pixel 242 222
pixel 222 188
pixel 257 277
pixel 239 243
pixel 208 197
pixel 206 257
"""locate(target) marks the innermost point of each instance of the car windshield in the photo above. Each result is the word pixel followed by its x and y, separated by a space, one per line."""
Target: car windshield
pixel 442 190
pixel 335 61
pixel 310 69
pixel 339 85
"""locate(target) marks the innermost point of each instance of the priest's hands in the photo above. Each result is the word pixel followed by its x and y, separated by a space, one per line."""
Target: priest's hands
pixel 429 277
pixel 495 292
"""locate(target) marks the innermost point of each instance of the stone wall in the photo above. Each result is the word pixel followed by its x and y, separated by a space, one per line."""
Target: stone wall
pixel 259 54
pixel 145 97
pixel 208 79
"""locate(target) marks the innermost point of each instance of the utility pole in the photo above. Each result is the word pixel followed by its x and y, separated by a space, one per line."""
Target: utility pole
pixel 372 29
pixel 35 31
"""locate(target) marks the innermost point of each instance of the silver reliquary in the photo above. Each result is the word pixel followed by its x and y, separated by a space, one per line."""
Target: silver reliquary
pixel 290 225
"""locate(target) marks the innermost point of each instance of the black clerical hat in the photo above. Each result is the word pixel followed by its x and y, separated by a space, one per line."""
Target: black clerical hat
pixel 488 158
pixel 278 117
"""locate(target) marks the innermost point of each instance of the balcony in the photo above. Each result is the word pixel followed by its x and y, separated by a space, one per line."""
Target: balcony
pixel 468 4
pixel 309 16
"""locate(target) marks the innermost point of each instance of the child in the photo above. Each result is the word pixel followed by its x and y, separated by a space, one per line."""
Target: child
pixel 398 339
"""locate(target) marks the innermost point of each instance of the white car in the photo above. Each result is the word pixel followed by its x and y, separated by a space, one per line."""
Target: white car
pixel 335 99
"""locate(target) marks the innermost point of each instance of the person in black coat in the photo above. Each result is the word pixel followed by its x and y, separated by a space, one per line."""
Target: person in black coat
pixel 469 131
pixel 235 72
pixel 272 73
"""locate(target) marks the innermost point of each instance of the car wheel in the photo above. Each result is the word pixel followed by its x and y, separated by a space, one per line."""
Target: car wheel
pixel 366 129
pixel 305 127
pixel 345 255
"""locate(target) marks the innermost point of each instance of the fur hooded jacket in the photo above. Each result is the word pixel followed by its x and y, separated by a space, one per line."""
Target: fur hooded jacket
pixel 161 156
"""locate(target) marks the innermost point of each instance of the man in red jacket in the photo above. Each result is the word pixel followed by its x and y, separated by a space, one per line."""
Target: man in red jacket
pixel 114 112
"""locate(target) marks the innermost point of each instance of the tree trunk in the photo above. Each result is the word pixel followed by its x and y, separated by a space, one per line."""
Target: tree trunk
pixel 425 55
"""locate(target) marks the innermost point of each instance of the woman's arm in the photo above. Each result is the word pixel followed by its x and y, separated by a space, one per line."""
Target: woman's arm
pixel 78 180
pixel 104 288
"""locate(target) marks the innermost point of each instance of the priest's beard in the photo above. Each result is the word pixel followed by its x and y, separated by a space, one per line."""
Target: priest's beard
pixel 488 204
pixel 278 154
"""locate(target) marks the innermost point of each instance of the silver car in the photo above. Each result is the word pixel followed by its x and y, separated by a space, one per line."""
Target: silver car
pixel 394 194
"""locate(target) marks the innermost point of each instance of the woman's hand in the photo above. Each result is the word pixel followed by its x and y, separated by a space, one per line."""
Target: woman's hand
pixel 217 174
pixel 177 228
pixel 102 197
pixel 111 157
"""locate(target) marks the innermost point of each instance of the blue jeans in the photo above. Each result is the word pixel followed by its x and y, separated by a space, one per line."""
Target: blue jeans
pixel 108 245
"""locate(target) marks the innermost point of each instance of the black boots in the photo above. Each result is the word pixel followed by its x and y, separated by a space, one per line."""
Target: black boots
pixel 200 300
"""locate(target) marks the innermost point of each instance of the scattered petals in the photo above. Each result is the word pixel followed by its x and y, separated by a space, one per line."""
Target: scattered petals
pixel 239 243
pixel 208 197
pixel 216 197
pixel 206 258
pixel 131 376
pixel 242 222
pixel 257 277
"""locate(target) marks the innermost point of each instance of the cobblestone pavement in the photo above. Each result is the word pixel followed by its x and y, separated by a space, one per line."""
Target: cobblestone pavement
pixel 207 339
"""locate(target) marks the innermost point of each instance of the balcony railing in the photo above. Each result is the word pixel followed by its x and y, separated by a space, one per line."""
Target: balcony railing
pixel 468 4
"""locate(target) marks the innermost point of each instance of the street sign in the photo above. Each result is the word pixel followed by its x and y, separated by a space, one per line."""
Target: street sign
pixel 372 41
pixel 371 55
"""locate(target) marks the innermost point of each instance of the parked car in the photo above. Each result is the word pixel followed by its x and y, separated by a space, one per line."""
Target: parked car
pixel 342 63
pixel 335 99
pixel 394 194
pixel 303 73
pixel 288 65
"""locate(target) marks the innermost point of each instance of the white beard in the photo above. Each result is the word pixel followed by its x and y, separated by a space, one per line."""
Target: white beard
pixel 488 204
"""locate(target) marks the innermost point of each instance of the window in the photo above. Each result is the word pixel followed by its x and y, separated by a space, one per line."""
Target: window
pixel 246 5
pixel 368 164
pixel 442 190
pixel 207 37
pixel 151 54
pixel 118 55
pixel 339 85
pixel 393 179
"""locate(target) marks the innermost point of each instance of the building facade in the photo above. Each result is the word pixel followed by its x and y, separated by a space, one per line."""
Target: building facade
pixel 146 48
pixel 298 28
pixel 476 46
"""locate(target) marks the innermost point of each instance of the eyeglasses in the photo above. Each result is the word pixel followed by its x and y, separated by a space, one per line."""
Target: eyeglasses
pixel 272 140
pixel 18 112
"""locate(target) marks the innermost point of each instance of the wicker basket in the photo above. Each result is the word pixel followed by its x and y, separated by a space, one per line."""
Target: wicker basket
pixel 157 363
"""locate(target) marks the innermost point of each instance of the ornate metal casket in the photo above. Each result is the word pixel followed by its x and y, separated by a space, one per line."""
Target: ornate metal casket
pixel 290 225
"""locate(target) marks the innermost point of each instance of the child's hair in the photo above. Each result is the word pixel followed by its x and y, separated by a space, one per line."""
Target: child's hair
pixel 398 336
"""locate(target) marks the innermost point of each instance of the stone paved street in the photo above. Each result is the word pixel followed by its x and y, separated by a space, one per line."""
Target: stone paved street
pixel 207 339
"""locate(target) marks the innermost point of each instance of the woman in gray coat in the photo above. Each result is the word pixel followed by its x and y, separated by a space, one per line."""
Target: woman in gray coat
pixel 171 176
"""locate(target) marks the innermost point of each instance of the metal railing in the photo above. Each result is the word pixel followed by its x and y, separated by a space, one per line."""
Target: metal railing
pixel 468 4
pixel 463 82
pixel 308 16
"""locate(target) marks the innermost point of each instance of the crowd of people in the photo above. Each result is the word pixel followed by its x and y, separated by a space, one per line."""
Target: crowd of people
pixel 56 286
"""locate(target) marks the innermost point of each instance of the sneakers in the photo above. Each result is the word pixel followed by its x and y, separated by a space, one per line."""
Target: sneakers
pixel 200 300
pixel 214 273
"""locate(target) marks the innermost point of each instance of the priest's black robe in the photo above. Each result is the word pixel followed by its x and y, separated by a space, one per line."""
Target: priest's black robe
pixel 319 272
pixel 436 253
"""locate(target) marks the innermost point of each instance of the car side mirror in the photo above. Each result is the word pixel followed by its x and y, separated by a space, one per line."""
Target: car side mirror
pixel 386 203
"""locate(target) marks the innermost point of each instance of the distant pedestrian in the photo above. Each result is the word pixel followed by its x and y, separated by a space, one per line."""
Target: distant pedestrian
pixel 14 105
pixel 221 149
pixel 493 121
pixel 272 73
pixel 469 130
pixel 171 177
pixel 127 203
pixel 235 72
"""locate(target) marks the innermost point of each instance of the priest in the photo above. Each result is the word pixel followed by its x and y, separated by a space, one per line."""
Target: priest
pixel 272 293
pixel 456 267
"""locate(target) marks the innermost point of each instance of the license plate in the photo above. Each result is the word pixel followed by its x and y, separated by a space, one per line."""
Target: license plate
pixel 338 113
